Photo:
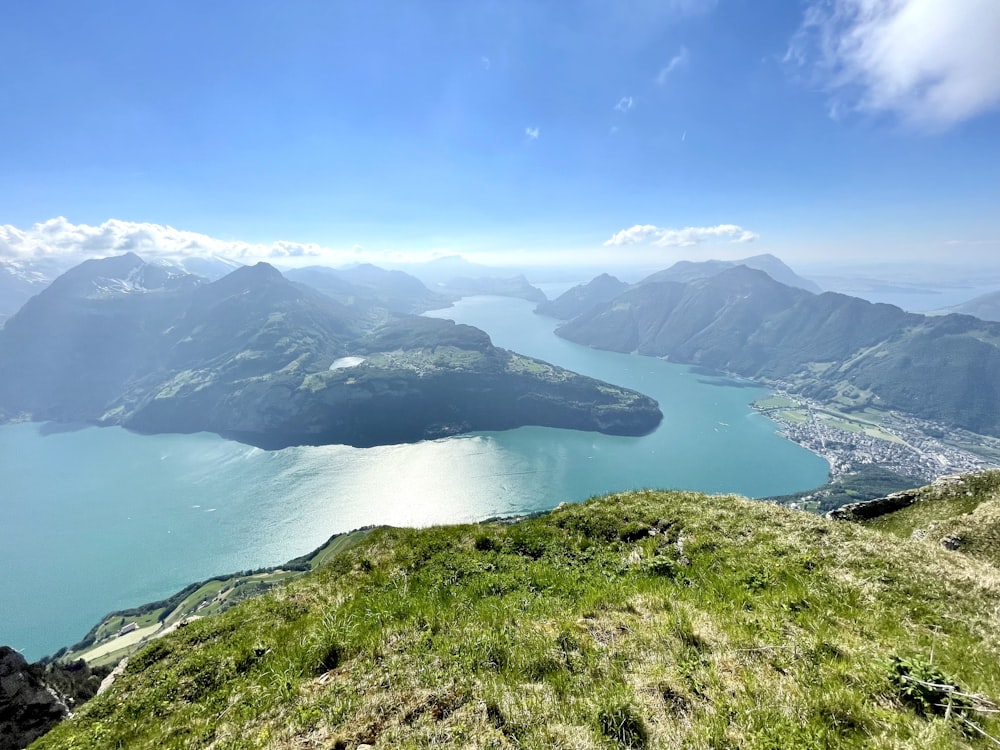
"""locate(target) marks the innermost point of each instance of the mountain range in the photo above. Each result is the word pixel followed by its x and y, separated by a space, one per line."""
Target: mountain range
pixel 828 346
pixel 258 358
pixel 604 288
pixel 684 271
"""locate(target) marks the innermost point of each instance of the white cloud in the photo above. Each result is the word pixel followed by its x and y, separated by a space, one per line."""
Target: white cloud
pixel 677 61
pixel 485 62
pixel 625 104
pixel 932 63
pixel 633 235
pixel 687 237
pixel 57 239
pixel 532 133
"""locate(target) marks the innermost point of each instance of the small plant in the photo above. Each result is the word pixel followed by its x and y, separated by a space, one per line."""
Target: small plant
pixel 924 687
pixel 663 566
pixel 620 722
pixel 485 543
pixel 633 531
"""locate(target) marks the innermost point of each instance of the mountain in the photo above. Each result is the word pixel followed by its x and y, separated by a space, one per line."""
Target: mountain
pixel 454 276
pixel 685 271
pixel 604 288
pixel 25 277
pixel 394 290
pixel 581 298
pixel 16 288
pixel 827 346
pixel 22 278
pixel 258 358
pixel 984 307
pixel 210 267
pixel 637 620
pixel 73 347
pixel 514 286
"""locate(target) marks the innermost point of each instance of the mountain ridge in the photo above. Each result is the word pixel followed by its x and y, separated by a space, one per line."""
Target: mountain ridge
pixel 603 288
pixel 828 346
pixel 254 356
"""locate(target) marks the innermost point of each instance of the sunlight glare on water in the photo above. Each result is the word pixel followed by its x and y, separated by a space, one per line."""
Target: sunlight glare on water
pixel 100 519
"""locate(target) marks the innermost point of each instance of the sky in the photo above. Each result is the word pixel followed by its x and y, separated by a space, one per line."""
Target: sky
pixel 508 131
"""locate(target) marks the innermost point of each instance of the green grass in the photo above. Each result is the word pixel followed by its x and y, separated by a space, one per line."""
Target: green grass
pixel 775 402
pixel 796 416
pixel 639 620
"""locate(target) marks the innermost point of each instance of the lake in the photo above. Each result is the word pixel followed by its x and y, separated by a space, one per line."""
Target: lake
pixel 99 519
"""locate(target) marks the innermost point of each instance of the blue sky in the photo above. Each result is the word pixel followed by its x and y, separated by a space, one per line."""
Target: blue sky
pixel 623 130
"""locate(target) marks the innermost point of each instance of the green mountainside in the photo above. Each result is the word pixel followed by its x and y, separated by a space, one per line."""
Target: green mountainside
pixel 260 359
pixel 641 619
pixel 830 347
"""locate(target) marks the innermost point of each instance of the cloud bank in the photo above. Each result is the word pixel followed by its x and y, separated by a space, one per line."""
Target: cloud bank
pixel 58 238
pixel 687 237
pixel 931 63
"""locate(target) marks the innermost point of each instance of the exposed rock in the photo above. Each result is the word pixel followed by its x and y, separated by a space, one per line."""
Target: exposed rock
pixel 947 480
pixel 28 707
pixel 115 673
pixel 951 541
pixel 874 508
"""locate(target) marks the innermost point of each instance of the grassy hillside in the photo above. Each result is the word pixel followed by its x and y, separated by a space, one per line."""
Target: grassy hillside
pixel 963 513
pixel 645 619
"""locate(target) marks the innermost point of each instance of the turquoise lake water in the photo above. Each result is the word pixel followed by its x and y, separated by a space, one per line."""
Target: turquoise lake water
pixel 101 519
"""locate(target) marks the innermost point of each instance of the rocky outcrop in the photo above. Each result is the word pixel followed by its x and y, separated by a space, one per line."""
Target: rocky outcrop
pixel 28 706
pixel 869 509
pixel 36 697
pixel 881 506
